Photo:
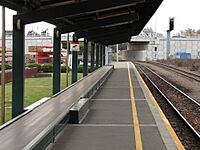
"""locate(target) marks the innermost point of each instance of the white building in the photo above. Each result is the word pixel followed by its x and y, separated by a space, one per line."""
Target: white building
pixel 151 49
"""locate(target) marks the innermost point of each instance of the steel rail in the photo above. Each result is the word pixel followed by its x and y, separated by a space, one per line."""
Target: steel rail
pixel 194 131
pixel 190 75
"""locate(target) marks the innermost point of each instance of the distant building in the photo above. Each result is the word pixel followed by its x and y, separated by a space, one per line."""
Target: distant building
pixel 156 49
pixel 32 41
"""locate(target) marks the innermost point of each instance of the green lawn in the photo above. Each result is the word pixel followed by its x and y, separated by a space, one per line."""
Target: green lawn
pixel 35 89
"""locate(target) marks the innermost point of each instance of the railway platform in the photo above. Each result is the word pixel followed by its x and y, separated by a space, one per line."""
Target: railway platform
pixel 38 126
pixel 123 115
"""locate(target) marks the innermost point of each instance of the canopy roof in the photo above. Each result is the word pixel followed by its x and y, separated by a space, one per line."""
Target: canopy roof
pixel 103 21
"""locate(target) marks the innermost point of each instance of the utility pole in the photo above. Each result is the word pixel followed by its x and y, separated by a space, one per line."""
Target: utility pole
pixel 168 43
pixel 3 68
pixel 117 52
pixel 171 27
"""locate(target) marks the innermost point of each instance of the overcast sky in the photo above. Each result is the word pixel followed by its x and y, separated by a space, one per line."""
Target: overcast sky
pixel 186 13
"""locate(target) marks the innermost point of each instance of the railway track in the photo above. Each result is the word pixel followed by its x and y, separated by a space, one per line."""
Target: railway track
pixel 185 107
pixel 185 73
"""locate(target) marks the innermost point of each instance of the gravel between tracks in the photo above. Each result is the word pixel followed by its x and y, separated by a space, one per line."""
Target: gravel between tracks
pixel 188 86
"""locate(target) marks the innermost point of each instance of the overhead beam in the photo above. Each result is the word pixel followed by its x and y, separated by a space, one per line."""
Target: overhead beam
pixel 116 42
pixel 114 39
pixel 102 31
pixel 75 9
pixel 98 23
pixel 114 34
pixel 138 25
pixel 10 4
pixel 57 2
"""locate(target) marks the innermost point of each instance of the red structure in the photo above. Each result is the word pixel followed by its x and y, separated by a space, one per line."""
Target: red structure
pixel 44 54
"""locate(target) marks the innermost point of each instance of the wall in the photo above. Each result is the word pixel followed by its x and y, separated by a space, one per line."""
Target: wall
pixel 190 45
pixel 136 51
pixel 29 72
pixel 134 55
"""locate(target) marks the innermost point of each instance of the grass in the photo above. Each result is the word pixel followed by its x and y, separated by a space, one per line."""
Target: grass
pixel 35 89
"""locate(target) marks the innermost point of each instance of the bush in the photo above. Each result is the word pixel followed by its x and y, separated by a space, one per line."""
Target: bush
pixel 89 69
pixel 80 68
pixel 39 67
pixel 194 67
pixel 179 63
pixel 46 68
pixel 7 67
pixel 63 69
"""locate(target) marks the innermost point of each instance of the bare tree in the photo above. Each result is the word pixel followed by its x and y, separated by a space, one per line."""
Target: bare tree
pixel 189 32
pixel 149 32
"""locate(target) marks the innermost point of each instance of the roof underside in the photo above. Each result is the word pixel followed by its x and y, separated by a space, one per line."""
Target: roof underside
pixel 103 21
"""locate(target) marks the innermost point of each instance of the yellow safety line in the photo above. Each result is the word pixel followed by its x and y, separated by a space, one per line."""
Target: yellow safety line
pixel 138 140
pixel 165 120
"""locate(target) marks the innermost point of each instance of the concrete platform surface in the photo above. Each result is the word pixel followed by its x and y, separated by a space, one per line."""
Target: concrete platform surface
pixel 110 124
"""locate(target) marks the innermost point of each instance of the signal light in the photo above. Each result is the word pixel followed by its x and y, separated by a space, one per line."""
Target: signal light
pixel 171 24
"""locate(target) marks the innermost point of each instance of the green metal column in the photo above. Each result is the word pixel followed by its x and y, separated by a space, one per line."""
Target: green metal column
pixel 97 56
pixel 104 55
pixel 74 62
pixel 56 60
pixel 101 55
pixel 92 56
pixel 18 67
pixel 85 58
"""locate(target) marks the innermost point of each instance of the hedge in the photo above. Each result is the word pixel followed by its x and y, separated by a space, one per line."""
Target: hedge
pixel 7 67
pixel 47 68
pixel 80 69
pixel 39 68
pixel 63 69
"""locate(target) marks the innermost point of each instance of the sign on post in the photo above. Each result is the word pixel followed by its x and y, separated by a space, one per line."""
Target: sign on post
pixel 74 46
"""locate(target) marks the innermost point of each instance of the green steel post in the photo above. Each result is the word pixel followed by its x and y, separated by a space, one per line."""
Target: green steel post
pixel 101 55
pixel 85 58
pixel 56 60
pixel 92 56
pixel 18 67
pixel 74 62
pixel 104 55
pixel 97 56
